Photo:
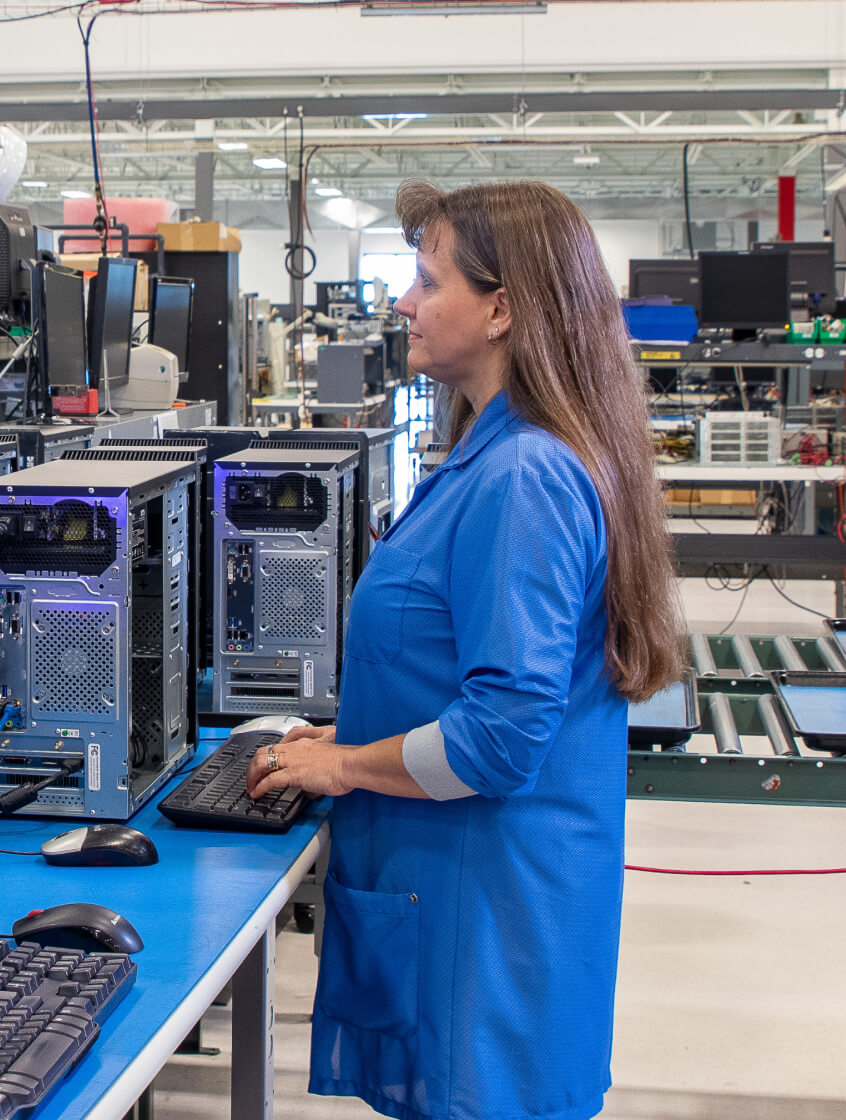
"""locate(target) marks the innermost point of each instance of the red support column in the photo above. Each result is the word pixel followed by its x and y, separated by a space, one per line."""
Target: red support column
pixel 787 207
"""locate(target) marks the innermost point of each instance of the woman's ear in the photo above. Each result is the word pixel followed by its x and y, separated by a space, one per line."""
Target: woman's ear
pixel 500 313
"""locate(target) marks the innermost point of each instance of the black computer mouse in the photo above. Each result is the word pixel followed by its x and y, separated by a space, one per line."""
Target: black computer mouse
pixel 101 845
pixel 79 925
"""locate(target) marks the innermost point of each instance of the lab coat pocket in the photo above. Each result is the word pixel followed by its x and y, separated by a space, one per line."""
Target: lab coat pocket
pixel 375 627
pixel 369 959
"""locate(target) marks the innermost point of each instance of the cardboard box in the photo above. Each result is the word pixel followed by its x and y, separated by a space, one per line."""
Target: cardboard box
pixel 199 237
pixel 729 497
pixel 88 262
pixel 711 497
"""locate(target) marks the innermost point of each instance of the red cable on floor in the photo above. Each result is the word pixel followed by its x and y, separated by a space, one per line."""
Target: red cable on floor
pixel 792 871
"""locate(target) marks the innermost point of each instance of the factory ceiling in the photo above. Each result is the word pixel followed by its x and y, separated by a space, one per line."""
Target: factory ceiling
pixel 613 140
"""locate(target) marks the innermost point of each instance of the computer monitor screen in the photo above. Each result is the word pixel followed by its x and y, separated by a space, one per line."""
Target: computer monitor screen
pixel 812 277
pixel 17 243
pixel 677 279
pixel 170 316
pixel 61 326
pixel 111 303
pixel 744 291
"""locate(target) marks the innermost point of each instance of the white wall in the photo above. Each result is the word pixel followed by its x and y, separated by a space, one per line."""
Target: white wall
pixel 569 37
pixel 261 264
pixel 621 242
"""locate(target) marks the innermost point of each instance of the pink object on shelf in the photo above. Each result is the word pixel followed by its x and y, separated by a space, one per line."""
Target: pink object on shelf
pixel 142 215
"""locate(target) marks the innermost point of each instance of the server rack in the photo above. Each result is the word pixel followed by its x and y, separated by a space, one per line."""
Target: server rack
pixel 373 487
pixel 283 560
pixel 94 603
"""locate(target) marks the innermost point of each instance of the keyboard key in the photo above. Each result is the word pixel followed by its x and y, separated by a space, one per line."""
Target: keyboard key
pixel 46 1030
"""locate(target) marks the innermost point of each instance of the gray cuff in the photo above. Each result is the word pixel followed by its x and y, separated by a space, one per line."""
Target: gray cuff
pixel 424 756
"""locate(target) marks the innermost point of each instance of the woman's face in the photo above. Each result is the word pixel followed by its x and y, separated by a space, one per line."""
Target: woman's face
pixel 450 326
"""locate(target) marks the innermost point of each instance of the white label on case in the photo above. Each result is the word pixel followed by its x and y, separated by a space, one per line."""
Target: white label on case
pixel 93 769
pixel 308 679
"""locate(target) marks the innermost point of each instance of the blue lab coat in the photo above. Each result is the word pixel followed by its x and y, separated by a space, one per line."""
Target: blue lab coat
pixel 470 948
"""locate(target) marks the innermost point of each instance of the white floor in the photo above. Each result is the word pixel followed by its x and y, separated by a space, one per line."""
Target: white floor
pixel 731 1000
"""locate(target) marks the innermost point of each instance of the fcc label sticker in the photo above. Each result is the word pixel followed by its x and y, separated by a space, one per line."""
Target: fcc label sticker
pixel 308 678
pixel 93 768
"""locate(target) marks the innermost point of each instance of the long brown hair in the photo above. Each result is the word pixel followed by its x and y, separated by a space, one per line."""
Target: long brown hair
pixel 569 370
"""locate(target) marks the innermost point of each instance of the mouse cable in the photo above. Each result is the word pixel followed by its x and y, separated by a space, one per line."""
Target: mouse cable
pixel 15 852
pixel 25 794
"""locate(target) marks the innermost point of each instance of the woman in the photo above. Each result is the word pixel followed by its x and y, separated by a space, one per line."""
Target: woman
pixel 495 636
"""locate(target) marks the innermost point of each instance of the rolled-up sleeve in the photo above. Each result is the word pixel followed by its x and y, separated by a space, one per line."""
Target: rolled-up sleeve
pixel 521 561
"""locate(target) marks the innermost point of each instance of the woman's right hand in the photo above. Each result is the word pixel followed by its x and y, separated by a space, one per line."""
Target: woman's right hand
pixel 324 734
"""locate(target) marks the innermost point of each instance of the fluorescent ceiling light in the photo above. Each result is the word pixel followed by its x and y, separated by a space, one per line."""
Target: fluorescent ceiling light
pixel 587 160
pixel 77 194
pixel 34 184
pixel 383 229
pixel 347 212
pixel 452 8
pixel 232 145
pixel 328 192
pixel 394 116
pixel 270 163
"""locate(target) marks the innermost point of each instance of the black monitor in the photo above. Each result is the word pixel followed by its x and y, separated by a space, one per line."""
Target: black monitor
pixel 17 244
pixel 744 291
pixel 61 326
pixel 677 279
pixel 812 278
pixel 170 316
pixel 111 304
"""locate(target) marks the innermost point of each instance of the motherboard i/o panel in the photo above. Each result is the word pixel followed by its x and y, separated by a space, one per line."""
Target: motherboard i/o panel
pixel 94 604
pixel 284 557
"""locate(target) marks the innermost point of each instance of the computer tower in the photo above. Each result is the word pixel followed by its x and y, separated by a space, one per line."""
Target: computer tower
pixel 373 487
pixel 173 453
pixel 199 519
pixel 42 443
pixel 220 440
pixel 348 370
pixel 94 601
pixel 284 532
pixel 8 455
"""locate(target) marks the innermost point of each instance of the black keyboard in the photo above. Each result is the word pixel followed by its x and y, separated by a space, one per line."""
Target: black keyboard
pixel 215 794
pixel 52 1002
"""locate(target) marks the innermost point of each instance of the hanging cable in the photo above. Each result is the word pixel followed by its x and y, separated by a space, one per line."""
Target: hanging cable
pixel 826 229
pixel 101 222
pixel 686 190
pixel 295 258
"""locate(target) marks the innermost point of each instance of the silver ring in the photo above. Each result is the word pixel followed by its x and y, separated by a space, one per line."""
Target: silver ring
pixel 272 761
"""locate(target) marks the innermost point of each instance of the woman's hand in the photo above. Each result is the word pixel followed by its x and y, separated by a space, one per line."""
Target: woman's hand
pixel 306 757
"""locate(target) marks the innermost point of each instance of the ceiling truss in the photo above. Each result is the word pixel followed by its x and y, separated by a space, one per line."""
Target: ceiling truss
pixel 741 129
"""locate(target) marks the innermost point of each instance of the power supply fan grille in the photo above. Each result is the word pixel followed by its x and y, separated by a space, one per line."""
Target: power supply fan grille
pixel 293 598
pixel 74 653
pixel 69 535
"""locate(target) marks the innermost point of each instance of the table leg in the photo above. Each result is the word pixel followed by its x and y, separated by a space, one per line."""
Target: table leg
pixel 144 1108
pixel 252 1032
